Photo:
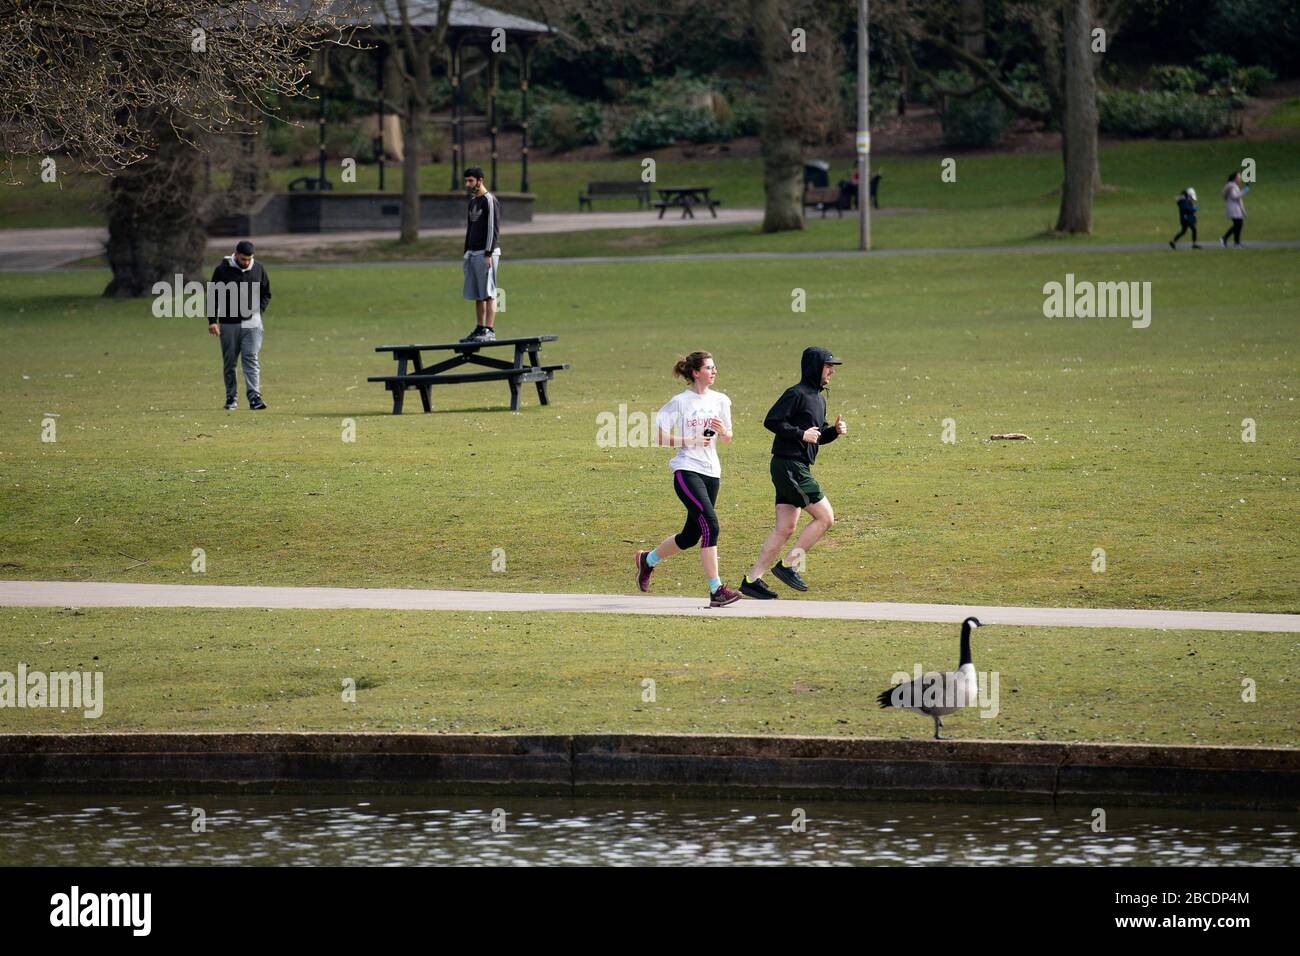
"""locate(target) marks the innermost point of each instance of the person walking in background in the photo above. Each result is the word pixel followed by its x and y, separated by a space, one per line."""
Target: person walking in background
pixel 798 420
pixel 690 423
pixel 237 296
pixel 482 255
pixel 1187 207
pixel 1233 195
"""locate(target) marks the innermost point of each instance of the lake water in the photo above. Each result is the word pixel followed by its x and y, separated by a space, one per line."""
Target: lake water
pixel 304 830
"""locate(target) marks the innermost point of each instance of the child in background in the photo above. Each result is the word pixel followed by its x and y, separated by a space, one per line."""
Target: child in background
pixel 1187 207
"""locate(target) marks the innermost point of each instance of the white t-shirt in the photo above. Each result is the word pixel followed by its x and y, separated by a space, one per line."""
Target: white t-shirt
pixel 688 414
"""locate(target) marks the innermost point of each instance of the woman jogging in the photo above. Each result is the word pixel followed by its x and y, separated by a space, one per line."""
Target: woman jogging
pixel 1186 217
pixel 1235 208
pixel 691 422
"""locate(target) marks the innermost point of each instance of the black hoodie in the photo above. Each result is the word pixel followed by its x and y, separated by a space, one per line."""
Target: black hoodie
pixel 235 294
pixel 800 408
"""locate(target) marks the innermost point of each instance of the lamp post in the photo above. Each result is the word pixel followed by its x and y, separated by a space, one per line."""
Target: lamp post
pixel 864 134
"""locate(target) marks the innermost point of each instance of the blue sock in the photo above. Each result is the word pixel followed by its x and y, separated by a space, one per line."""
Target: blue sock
pixel 653 558
pixel 714 584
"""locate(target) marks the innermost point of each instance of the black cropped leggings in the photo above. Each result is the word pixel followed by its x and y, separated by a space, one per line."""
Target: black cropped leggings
pixel 698 493
pixel 1183 231
pixel 1235 231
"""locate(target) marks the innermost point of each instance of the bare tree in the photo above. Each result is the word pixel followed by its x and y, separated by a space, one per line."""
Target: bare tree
pixel 800 102
pixel 411 52
pixel 128 87
pixel 1060 34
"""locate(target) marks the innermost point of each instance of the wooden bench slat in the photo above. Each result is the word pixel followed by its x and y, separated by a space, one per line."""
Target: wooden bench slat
pixel 465 345
pixel 462 377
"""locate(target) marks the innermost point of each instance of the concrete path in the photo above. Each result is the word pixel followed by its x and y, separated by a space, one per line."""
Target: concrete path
pixel 92 594
pixel 38 250
pixel 34 250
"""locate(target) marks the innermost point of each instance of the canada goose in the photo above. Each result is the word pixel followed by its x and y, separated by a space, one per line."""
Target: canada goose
pixel 935 694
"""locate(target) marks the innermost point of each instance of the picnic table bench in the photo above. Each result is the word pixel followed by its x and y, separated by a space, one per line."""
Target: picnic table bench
pixel 686 198
pixel 423 378
pixel 606 189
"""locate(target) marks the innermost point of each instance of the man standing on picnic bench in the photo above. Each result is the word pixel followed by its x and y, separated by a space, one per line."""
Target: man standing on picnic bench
pixel 482 255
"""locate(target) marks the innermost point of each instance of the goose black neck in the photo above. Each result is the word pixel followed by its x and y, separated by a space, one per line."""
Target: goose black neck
pixel 965 644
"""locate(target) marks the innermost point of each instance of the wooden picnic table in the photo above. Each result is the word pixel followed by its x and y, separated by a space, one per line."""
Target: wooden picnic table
pixel 423 378
pixel 686 197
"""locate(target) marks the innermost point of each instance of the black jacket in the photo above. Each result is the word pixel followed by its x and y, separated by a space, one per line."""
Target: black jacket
pixel 1187 211
pixel 483 224
pixel 235 294
pixel 799 408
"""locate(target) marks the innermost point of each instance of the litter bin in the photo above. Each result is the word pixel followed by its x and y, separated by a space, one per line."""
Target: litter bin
pixel 817 174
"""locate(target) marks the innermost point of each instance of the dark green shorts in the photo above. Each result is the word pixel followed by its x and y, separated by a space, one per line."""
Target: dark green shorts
pixel 794 483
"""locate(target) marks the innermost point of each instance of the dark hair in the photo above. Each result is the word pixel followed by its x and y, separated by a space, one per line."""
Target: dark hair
pixel 686 367
pixel 1234 174
pixel 475 171
pixel 244 247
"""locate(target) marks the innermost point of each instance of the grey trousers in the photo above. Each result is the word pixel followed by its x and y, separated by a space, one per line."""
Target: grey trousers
pixel 237 343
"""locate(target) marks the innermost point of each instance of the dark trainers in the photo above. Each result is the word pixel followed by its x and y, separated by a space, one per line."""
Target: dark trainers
pixel 723 596
pixel 757 589
pixel 473 336
pixel 643 570
pixel 789 576
pixel 485 335
pixel 256 403
pixel 231 404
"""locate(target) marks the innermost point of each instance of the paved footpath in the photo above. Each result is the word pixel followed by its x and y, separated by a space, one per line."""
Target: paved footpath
pixel 41 250
pixel 93 594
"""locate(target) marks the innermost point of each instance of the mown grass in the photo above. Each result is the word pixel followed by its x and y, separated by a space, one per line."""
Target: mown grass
pixel 1136 433
pixel 997 199
pixel 221 669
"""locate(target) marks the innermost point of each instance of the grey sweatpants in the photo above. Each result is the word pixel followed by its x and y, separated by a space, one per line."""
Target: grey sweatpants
pixel 237 343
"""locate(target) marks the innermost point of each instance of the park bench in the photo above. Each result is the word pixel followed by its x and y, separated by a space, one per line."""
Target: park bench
pixel 605 190
pixel 413 373
pixel 823 198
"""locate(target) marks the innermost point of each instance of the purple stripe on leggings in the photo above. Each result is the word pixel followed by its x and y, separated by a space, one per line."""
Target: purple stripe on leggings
pixel 704 525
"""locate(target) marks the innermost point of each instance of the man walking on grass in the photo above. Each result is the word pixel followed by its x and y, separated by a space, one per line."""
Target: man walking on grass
pixel 237 296
pixel 482 255
pixel 798 419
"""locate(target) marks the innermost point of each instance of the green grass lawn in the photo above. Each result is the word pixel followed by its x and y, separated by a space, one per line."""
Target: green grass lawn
pixel 998 199
pixel 167 669
pixel 1136 433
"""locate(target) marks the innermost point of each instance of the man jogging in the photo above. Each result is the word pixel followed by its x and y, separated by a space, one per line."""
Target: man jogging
pixel 798 419
pixel 237 296
pixel 482 255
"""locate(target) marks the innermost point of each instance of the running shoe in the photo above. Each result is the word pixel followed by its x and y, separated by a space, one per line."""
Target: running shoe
pixel 643 571
pixel 1172 244
pixel 723 596
pixel 1223 242
pixel 473 336
pixel 486 335
pixel 256 403
pixel 757 589
pixel 789 576
pixel 231 404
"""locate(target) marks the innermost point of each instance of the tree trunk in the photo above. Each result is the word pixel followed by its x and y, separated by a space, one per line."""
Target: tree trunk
pixel 410 224
pixel 782 123
pixel 155 223
pixel 972 26
pixel 1079 129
